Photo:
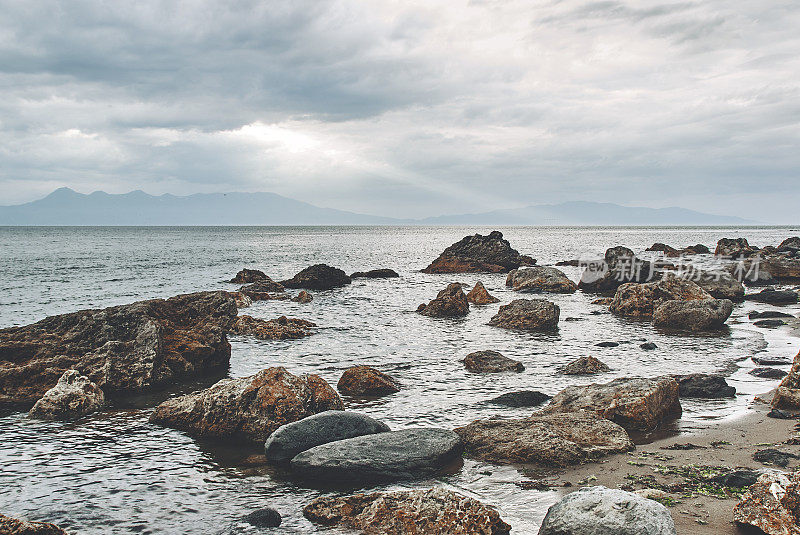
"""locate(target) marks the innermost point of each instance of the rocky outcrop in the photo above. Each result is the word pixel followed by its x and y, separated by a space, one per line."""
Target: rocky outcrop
pixel 640 300
pixel 73 396
pixel 397 455
pixel 264 290
pixel 249 408
pixel 772 504
pixel 774 297
pixel 474 254
pixel 303 297
pixel 491 362
pixel 522 398
pixel 247 276
pixel 13 526
pixel 698 315
pixel 329 426
pixel 449 303
pixel 585 366
pixel 559 439
pixel 604 511
pixel 527 315
pixel 383 273
pixel 702 385
pixel 480 296
pixel 435 511
pixel 734 248
pixel 366 381
pixel 634 403
pixel 282 328
pixel 618 267
pixel 318 277
pixel 540 279
pixel 124 349
pixel 787 396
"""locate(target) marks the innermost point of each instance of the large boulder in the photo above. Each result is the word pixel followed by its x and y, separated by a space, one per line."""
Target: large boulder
pixel 540 279
pixel 13 526
pixel 449 303
pixel 282 328
pixel 772 296
pixel 73 396
pixel 264 289
pixel 698 315
pixel 382 273
pixel 787 396
pixel 124 349
pixel 318 277
pixel 246 276
pixel 734 248
pixel 789 245
pixel 249 408
pixel 718 283
pixel 639 300
pixel 619 266
pixel 527 315
pixel 491 362
pixel 604 511
pixel 634 403
pixel 397 455
pixel 703 385
pixel 558 439
pixel 366 381
pixel 585 366
pixel 772 504
pixel 478 295
pixel 478 253
pixel 435 511
pixel 329 426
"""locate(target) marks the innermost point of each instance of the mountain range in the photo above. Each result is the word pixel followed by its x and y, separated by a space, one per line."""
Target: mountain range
pixel 65 207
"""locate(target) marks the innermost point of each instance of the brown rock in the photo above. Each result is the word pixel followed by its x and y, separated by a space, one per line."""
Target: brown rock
pixel 734 248
pixel 618 267
pixel 540 279
pixel 478 253
pixel 264 290
pixel 12 526
pixel 450 302
pixel 585 366
pixel 303 297
pixel 664 248
pixel 242 300
pixel 318 277
pixel 559 439
pixel 527 315
pixel 282 328
pixel 781 268
pixel 788 394
pixel 249 408
pixel 605 301
pixel 491 362
pixel 366 381
pixel 479 296
pixel 435 511
pixel 124 349
pixel 247 276
pixel 695 315
pixel 73 396
pixel 640 300
pixel 772 504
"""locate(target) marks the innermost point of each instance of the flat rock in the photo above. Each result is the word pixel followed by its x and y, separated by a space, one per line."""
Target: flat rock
pixel 397 455
pixel 527 315
pixel 249 408
pixel 559 439
pixel 13 526
pixel 584 366
pixel 318 277
pixel 640 300
pixel 769 323
pixel 768 373
pixel 246 276
pixel 435 511
pixel 699 315
pixel 475 254
pixel 366 381
pixel 774 297
pixel 491 362
pixel 607 344
pixel 282 328
pixel 382 273
pixel 449 303
pixel 522 398
pixel 540 279
pixel 703 385
pixel 478 295
pixel 769 314
pixel 329 426
pixel 73 396
pixel 771 504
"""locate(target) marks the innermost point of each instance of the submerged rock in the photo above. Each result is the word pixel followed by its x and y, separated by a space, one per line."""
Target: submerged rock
pixel 585 366
pixel 771 504
pixel 13 526
pixel 559 439
pixel 282 328
pixel 478 253
pixel 768 315
pixel 702 385
pixel 366 381
pixel 329 426
pixel 449 303
pixel 383 273
pixel 604 511
pixel 699 315
pixel 249 408
pixel 303 297
pixel 246 276
pixel 479 296
pixel 264 518
pixel 435 511
pixel 396 455
pixel 73 396
pixel 527 315
pixel 522 398
pixel 491 362
pixel 540 279
pixel 124 349
pixel 640 300
pixel 318 277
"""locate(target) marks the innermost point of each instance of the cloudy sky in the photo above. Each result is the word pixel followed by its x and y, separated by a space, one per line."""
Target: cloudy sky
pixel 408 108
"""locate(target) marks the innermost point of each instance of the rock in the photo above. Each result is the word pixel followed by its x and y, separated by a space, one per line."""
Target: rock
pixel 782 415
pixel 768 373
pixel 366 381
pixel 249 408
pixel 282 328
pixel 737 478
pixel 125 349
pixel 607 344
pixel 787 396
pixel 604 301
pixel 640 300
pixel 263 290
pixel 584 366
pixel 13 526
pixel 781 268
pixel 73 396
pixel 648 346
pixel 540 279
pixel 634 403
pixel 559 439
pixel 664 248
pixel 603 511
pixel 242 300
pixel 449 303
pixel 768 314
pixel 572 263
pixel 701 385
pixel 769 323
pixel 719 284
pixel 527 315
pixel 771 504
pixel 246 276
pixel 303 297
pixel 789 245
pixel 478 253
pixel 318 277
pixel 479 296
pixel 397 455
pixel 773 456
pixel 696 249
pixel 383 273
pixel 264 518
pixel 296 437
pixel 491 362
pixel 774 297
pixel 702 315
pixel 435 511
pixel 619 266
pixel 734 248
pixel 771 361
pixel 522 398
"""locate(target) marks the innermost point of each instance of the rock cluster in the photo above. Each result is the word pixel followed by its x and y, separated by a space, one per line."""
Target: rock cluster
pixel 73 396
pixel 449 303
pixel 318 277
pixel 527 315
pixel 480 296
pixel 366 381
pixel 282 328
pixel 479 253
pixel 540 279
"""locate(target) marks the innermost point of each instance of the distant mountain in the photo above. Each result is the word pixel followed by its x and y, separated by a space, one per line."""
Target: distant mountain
pixel 67 207
pixel 588 213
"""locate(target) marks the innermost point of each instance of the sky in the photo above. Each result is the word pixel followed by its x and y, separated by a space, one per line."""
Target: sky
pixel 408 109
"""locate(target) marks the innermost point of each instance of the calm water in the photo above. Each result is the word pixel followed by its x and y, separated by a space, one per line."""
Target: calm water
pixel 115 472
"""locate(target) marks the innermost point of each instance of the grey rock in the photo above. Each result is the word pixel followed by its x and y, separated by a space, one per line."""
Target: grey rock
pixel 702 385
pixel 540 279
pixel 720 284
pixel 768 373
pixel 698 315
pixel 527 315
pixel 73 396
pixel 491 362
pixel 774 297
pixel 523 398
pixel 618 267
pixel 769 314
